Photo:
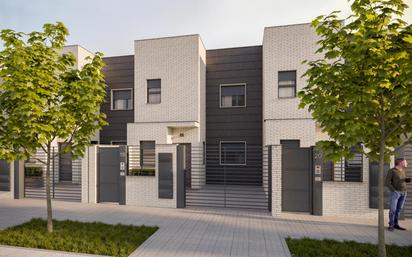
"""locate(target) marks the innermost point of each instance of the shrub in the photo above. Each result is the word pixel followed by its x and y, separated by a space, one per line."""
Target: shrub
pixel 142 172
pixel 33 171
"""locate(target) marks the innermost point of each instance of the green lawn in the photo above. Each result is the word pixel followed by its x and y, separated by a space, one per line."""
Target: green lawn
pixel 330 248
pixel 80 237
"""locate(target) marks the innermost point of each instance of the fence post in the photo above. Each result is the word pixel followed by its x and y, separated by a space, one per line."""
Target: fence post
pixel 269 177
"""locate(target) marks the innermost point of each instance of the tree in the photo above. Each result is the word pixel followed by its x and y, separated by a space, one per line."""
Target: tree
pixel 360 92
pixel 44 99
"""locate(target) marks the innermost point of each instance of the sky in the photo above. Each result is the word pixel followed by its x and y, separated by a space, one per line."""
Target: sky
pixel 112 26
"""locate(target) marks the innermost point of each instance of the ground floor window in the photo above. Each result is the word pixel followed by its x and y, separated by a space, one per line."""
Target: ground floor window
pixel 233 153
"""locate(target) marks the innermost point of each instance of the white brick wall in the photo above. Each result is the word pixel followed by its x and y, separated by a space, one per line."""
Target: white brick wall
pixel 349 198
pixel 284 48
pixel 276 180
pixel 175 61
pixel 143 191
pixel 91 175
pixel 277 130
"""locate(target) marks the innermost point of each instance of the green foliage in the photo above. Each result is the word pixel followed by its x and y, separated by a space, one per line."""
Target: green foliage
pixel 142 172
pixel 330 248
pixel 43 97
pixel 360 91
pixel 81 237
pixel 33 171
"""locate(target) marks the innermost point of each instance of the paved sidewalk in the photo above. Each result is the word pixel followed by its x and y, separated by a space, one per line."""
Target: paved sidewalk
pixel 200 232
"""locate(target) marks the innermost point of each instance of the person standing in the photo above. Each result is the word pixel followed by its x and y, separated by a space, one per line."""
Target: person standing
pixel 396 182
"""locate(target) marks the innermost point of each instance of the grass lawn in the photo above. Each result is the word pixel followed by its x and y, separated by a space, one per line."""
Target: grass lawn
pixel 80 237
pixel 330 248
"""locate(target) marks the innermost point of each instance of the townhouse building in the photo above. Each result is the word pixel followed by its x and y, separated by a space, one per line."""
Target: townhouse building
pixel 196 127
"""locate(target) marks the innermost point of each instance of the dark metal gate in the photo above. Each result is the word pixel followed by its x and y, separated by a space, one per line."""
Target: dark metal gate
pixel 233 177
pixel 408 203
pixel 296 179
pixel 60 189
pixel 4 176
pixel 108 174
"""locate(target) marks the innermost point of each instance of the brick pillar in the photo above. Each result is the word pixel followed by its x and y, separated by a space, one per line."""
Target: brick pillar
pixel 276 180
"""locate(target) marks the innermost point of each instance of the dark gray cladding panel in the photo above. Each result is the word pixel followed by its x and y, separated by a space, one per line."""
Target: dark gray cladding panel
pixel 119 73
pixel 165 175
pixel 231 66
pixel 227 66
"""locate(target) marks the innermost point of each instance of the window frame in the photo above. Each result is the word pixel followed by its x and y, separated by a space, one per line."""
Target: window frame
pixel 147 91
pixel 121 89
pixel 122 141
pixel 296 84
pixel 231 85
pixel 232 164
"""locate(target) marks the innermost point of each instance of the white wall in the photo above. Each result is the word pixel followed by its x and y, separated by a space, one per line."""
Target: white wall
pixel 143 191
pixel 284 48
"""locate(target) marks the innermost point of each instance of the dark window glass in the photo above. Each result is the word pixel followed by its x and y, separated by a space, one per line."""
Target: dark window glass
pixel 233 153
pixel 153 91
pixel 122 99
pixel 232 96
pixel 286 84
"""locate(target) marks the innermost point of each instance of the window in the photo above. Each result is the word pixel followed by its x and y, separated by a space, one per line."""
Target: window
pixel 122 99
pixel 118 142
pixel 286 84
pixel 147 154
pixel 233 153
pixel 153 91
pixel 233 95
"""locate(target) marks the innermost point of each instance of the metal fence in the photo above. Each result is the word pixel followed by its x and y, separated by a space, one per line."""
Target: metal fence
pixel 231 176
pixel 65 176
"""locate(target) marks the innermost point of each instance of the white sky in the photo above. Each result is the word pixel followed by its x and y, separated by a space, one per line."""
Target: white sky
pixel 111 26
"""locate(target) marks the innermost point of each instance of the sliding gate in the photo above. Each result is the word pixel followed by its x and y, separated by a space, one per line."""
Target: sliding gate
pixel 238 177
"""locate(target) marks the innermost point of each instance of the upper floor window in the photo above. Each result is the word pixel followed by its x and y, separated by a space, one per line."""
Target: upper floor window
pixel 122 99
pixel 233 153
pixel 232 95
pixel 153 91
pixel 286 84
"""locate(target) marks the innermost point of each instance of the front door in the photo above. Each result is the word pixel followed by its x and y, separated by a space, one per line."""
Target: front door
pixel 296 179
pixel 65 164
pixel 109 174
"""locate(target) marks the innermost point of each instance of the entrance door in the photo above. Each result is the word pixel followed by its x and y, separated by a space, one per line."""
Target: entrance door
pixel 4 176
pixel 296 179
pixel 109 174
pixel 65 165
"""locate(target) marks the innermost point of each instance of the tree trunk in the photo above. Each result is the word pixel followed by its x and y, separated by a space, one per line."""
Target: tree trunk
pixel 381 225
pixel 48 195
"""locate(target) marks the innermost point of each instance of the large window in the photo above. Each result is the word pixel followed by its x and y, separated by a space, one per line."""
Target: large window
pixel 232 153
pixel 121 99
pixel 153 91
pixel 286 84
pixel 233 95
pixel 147 154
